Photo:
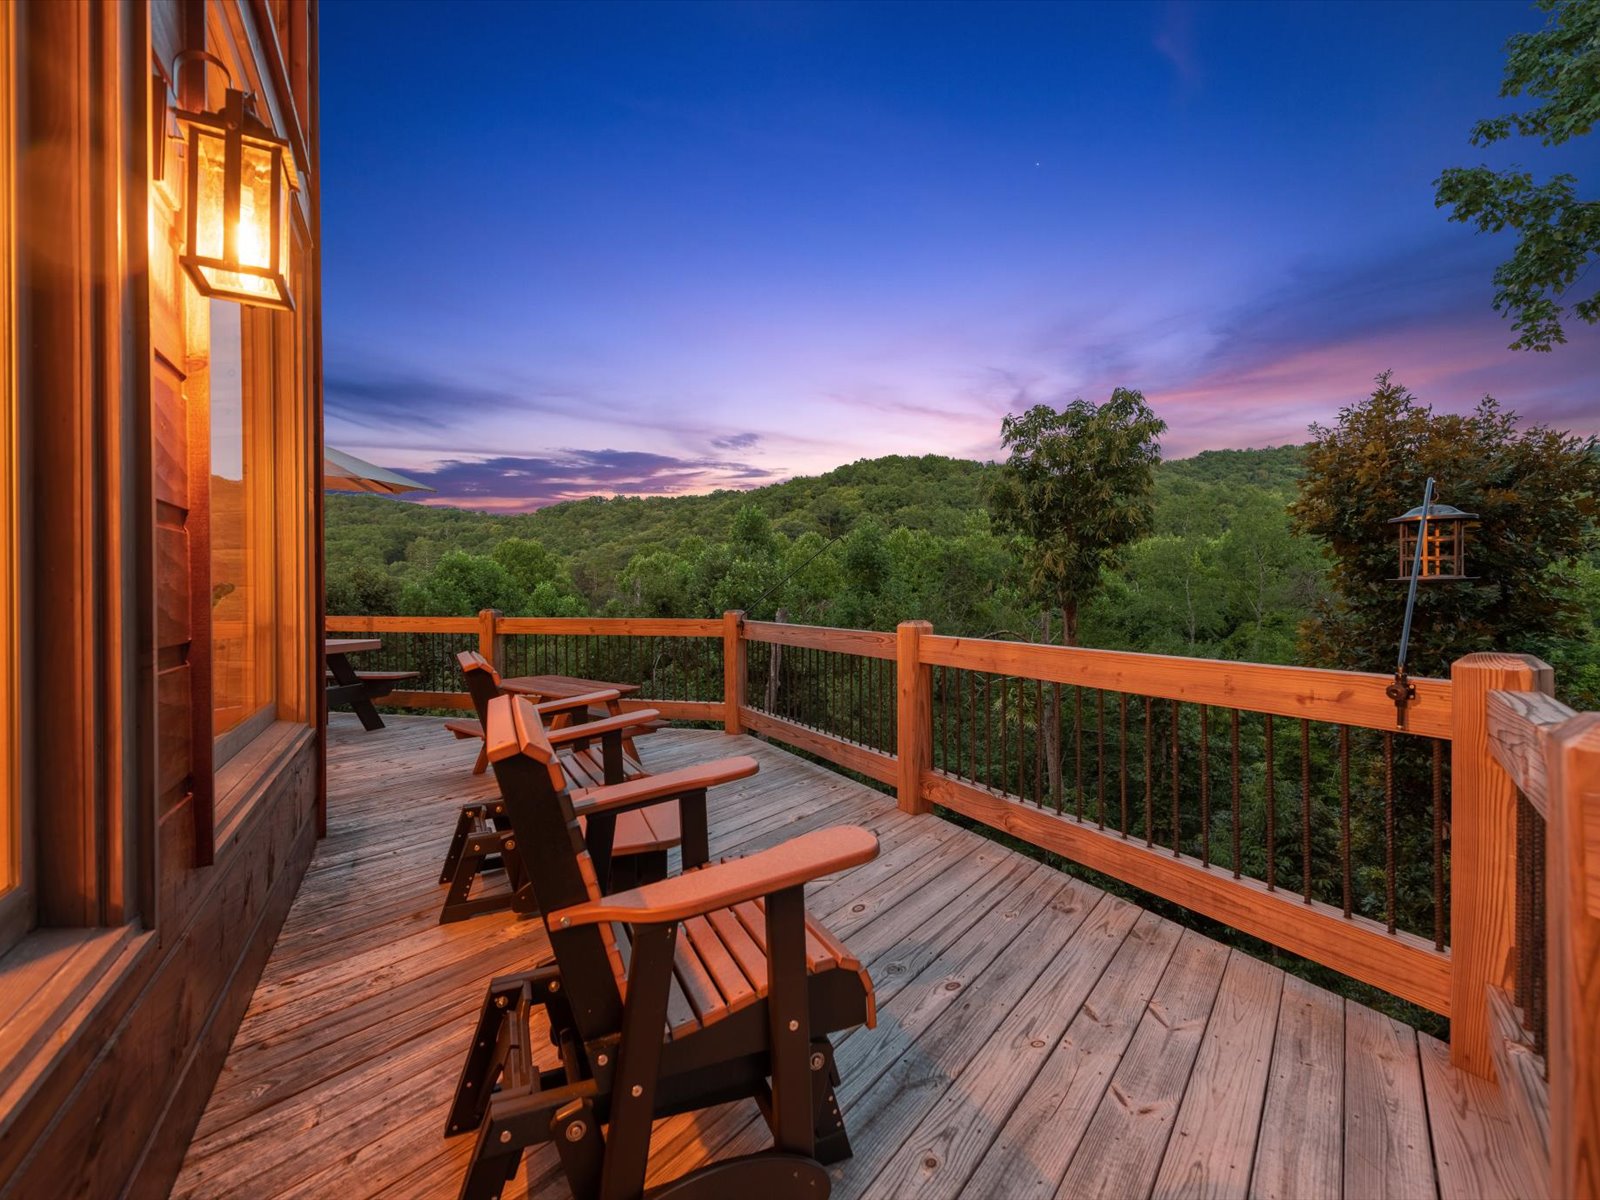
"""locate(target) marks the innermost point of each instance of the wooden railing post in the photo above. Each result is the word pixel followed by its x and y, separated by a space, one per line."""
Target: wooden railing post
pixel 489 635
pixel 733 652
pixel 913 714
pixel 1572 907
pixel 1483 851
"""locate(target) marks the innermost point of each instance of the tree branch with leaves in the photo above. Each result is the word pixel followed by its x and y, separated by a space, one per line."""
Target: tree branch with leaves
pixel 1558 233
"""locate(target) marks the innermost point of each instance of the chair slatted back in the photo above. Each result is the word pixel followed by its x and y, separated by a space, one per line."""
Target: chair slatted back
pixel 483 681
pixel 555 860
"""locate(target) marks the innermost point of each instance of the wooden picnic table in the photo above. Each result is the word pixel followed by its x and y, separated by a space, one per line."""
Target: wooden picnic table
pixel 358 689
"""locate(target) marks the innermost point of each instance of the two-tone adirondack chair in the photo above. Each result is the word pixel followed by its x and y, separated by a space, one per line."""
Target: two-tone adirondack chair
pixel 595 751
pixel 729 990
pixel 483 684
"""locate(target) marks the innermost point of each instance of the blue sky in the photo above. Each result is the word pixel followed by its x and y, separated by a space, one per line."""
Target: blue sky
pixel 586 249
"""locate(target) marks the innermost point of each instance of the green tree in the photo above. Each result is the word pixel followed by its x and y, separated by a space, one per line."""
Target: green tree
pixel 1534 489
pixel 461 584
pixel 1075 491
pixel 1558 234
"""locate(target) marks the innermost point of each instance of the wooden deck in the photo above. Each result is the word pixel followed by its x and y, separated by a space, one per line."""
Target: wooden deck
pixel 1036 1036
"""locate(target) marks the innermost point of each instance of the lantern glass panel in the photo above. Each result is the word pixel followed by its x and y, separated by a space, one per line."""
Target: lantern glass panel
pixel 208 193
pixel 256 177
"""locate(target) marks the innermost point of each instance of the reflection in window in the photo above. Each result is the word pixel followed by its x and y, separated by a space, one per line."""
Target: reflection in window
pixel 242 545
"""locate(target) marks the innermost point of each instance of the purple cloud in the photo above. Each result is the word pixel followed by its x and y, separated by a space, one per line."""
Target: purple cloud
pixel 519 483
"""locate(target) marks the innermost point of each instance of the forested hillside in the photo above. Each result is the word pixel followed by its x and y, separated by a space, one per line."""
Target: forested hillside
pixel 1221 576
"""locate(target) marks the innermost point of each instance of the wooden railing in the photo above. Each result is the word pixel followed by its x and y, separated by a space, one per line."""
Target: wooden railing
pixel 676 664
pixel 1541 794
pixel 1399 857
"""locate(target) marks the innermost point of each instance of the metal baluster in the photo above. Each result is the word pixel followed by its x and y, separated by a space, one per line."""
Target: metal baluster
pixel 1233 750
pixel 1122 756
pixel 1100 757
pixel 1344 813
pixel 1272 814
pixel 1438 844
pixel 1077 735
pixel 1005 696
pixel 1205 785
pixel 1149 775
pixel 1177 823
pixel 1305 808
pixel 1388 828
pixel 1038 743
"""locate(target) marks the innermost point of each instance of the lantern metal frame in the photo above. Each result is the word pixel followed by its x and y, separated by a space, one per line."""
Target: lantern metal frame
pixel 1432 537
pixel 1402 690
pixel 238 127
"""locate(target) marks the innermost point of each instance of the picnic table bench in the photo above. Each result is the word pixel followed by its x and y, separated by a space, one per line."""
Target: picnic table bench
pixel 359 689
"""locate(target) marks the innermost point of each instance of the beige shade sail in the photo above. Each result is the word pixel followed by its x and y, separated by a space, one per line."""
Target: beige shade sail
pixel 343 472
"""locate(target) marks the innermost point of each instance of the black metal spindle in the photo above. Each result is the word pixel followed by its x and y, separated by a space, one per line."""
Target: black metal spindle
pixel 1388 829
pixel 1149 774
pixel 1344 814
pixel 1100 757
pixel 1122 756
pixel 1039 743
pixel 1005 717
pixel 1233 753
pixel 1177 821
pixel 1305 809
pixel 1077 737
pixel 1205 785
pixel 1438 844
pixel 1272 812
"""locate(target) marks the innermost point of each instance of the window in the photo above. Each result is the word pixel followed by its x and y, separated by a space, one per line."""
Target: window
pixel 243 515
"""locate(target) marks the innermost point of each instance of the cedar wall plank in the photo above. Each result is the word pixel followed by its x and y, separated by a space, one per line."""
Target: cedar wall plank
pixel 172 592
pixel 172 738
pixel 171 436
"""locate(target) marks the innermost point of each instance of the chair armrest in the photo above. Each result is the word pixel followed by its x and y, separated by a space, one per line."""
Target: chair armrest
pixel 586 730
pixel 795 862
pixel 651 789
pixel 550 708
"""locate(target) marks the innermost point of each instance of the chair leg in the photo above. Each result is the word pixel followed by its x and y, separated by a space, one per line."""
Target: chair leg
pixel 494 1164
pixel 827 1118
pixel 458 840
pixel 482 852
pixel 482 765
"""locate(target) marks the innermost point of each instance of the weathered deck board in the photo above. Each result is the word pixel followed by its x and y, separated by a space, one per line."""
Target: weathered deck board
pixel 1036 1037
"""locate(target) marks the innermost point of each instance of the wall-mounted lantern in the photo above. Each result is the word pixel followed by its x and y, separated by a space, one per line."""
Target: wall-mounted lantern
pixel 1442 555
pixel 1433 547
pixel 241 176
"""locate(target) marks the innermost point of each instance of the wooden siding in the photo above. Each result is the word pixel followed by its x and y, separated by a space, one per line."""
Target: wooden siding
pixel 116 1013
pixel 1036 1036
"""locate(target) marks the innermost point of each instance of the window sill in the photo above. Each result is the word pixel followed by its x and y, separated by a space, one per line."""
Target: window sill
pixel 246 777
pixel 49 984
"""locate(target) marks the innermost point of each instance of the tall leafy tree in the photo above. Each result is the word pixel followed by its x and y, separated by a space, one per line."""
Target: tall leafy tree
pixel 1076 489
pixel 1558 234
pixel 1535 489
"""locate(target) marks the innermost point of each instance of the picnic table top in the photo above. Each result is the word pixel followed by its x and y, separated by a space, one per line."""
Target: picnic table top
pixel 350 645
pixel 561 687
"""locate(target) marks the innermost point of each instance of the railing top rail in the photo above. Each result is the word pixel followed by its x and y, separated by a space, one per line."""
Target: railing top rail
pixel 612 626
pixel 864 643
pixel 339 624
pixel 1353 698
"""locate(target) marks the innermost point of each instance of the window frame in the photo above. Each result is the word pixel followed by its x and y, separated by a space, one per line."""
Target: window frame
pixel 17 907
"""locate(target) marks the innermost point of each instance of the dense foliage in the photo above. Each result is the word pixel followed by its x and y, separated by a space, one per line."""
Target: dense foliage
pixel 1221 574
pixel 1558 234
pixel 1536 492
